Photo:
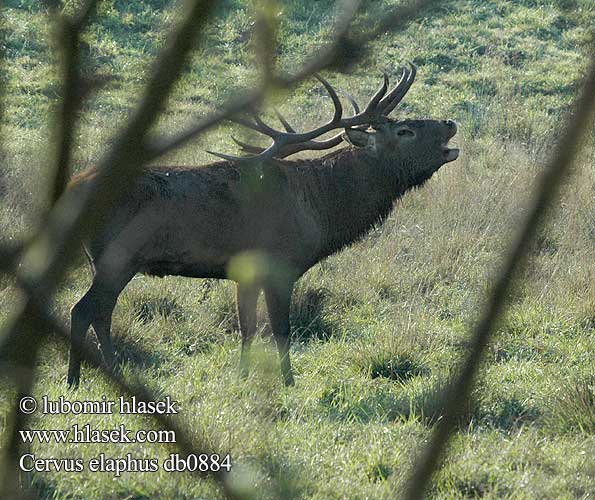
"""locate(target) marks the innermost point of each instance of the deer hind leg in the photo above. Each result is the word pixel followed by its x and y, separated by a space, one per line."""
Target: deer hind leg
pixel 278 300
pixel 246 300
pixel 103 323
pixel 81 316
pixel 95 308
pixel 102 326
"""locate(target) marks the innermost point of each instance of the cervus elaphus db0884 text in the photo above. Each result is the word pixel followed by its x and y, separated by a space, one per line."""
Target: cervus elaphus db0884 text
pixel 260 220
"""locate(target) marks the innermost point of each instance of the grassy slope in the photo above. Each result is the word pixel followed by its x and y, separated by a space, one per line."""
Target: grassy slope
pixel 381 325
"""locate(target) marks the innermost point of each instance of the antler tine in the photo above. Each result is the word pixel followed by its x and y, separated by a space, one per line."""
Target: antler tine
pixel 408 83
pixel 265 129
pixel 246 123
pixel 396 95
pixel 387 98
pixel 223 156
pixel 249 148
pixel 285 123
pixel 352 102
pixel 336 101
pixel 259 125
pixel 378 95
pixel 312 145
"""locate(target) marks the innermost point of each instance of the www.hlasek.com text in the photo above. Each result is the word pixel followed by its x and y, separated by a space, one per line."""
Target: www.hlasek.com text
pixel 86 434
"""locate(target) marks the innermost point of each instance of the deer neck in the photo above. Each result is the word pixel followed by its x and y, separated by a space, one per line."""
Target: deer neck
pixel 357 192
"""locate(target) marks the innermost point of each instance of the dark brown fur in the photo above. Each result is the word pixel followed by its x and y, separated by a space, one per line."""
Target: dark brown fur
pixel 280 217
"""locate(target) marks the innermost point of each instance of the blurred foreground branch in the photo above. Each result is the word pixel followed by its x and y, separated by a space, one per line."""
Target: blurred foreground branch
pixel 459 392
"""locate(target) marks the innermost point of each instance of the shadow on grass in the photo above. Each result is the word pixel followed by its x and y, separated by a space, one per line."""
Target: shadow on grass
pixel 132 353
pixel 572 408
pixel 385 402
pixel 289 477
pixel 307 317
pixel 148 308
pixel 378 472
pixel 43 488
pixel 506 413
pixel 399 368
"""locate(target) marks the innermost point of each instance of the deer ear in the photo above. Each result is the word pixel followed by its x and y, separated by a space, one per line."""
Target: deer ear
pixel 356 137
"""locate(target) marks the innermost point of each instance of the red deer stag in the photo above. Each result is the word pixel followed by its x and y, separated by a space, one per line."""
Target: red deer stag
pixel 260 220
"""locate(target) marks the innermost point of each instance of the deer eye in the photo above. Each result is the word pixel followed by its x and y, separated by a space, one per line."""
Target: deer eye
pixel 405 131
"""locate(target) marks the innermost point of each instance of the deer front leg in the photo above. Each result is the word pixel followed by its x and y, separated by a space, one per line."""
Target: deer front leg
pixel 246 300
pixel 278 299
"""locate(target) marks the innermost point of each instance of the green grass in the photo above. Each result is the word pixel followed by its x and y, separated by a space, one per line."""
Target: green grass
pixel 378 328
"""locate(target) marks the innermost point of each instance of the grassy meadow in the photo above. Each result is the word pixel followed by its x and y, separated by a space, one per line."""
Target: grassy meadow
pixel 378 328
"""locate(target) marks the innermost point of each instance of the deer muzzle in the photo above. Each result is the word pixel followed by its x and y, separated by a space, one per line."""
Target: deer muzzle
pixel 450 154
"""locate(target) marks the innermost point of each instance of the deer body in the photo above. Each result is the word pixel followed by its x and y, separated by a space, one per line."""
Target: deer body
pixel 202 221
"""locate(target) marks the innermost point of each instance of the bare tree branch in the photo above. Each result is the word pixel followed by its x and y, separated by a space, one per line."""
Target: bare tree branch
pixel 81 18
pixel 458 393
pixel 266 38
pixel 22 348
pixel 23 356
pixel 69 31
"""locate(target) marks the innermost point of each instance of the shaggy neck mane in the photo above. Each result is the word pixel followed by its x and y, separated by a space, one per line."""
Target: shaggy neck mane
pixel 350 192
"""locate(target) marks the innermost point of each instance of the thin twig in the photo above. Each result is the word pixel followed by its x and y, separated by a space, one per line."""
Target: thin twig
pixel 458 393
pixel 265 29
pixel 23 356
pixel 69 32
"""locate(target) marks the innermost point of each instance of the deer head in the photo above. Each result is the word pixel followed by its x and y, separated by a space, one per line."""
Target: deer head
pixel 424 141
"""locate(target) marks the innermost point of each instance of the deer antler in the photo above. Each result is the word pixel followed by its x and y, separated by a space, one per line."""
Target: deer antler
pixel 290 142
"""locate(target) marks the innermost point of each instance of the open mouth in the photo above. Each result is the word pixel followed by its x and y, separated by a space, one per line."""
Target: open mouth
pixel 450 154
